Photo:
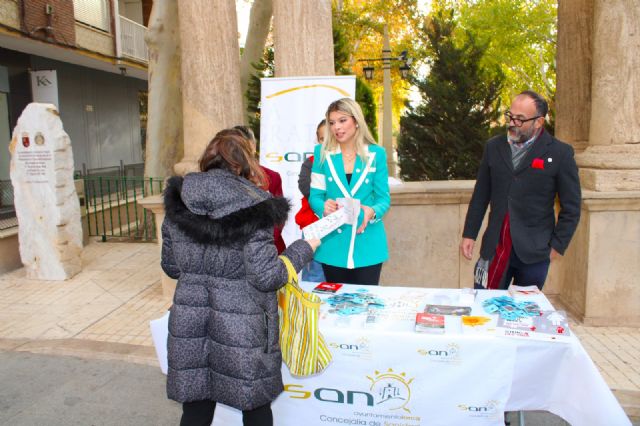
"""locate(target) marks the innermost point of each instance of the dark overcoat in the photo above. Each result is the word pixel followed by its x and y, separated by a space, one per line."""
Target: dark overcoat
pixel 223 326
pixel 528 194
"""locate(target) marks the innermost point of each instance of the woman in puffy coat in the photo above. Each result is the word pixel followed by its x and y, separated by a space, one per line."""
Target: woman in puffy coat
pixel 223 326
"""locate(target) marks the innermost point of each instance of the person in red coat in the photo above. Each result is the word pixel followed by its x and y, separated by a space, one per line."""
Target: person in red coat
pixel 275 188
pixel 275 185
pixel 313 271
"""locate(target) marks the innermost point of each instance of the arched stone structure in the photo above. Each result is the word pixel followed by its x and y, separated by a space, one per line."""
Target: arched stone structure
pixel 598 111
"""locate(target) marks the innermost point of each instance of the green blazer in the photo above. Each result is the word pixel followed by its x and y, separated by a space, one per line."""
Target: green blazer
pixel 369 184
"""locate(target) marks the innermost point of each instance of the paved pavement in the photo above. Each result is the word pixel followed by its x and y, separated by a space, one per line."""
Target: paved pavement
pixel 103 314
pixel 70 391
pixel 52 390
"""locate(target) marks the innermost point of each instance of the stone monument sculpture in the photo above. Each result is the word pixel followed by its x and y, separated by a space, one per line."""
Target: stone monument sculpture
pixel 45 198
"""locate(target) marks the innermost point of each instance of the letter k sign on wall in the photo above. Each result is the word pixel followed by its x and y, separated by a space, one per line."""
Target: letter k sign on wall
pixel 43 81
pixel 44 86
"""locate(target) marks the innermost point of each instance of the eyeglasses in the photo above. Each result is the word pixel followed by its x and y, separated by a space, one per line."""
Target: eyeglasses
pixel 518 121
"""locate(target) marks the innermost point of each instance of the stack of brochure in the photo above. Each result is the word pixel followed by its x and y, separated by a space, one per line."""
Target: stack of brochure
pixel 429 323
pixel 549 325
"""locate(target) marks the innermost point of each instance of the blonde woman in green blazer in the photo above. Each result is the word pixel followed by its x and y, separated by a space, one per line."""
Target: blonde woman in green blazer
pixel 349 164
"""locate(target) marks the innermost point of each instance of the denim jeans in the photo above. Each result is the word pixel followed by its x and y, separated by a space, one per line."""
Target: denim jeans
pixel 526 274
pixel 313 272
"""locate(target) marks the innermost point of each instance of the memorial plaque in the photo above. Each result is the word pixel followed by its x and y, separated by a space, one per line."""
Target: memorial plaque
pixel 35 160
pixel 45 198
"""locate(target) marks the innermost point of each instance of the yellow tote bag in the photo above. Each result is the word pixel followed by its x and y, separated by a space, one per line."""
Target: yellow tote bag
pixel 303 348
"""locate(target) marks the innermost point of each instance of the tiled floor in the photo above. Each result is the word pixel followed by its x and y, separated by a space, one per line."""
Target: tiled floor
pixel 130 322
pixel 107 308
pixel 112 299
pixel 616 353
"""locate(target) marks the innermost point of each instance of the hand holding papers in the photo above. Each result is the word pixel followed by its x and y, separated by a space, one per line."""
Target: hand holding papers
pixel 325 226
pixel 352 209
pixel 347 214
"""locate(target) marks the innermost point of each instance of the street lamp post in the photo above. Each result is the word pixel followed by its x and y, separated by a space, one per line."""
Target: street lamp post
pixel 368 70
pixel 387 133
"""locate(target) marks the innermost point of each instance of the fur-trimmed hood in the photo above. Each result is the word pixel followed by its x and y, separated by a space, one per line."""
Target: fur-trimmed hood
pixel 220 207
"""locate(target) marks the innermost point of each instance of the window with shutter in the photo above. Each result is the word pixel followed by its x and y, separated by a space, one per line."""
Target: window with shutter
pixel 95 13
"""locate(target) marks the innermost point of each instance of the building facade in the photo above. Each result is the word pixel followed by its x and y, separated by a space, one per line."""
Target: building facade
pixel 89 57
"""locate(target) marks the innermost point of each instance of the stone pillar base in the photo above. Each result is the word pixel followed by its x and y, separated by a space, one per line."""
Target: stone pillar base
pixel 610 167
pixel 156 205
pixel 601 269
pixel 610 180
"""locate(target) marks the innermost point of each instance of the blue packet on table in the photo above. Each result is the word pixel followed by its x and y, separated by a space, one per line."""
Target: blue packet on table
pixel 354 303
pixel 510 309
pixel 351 310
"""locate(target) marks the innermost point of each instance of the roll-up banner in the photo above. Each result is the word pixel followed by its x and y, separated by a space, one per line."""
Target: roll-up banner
pixel 291 108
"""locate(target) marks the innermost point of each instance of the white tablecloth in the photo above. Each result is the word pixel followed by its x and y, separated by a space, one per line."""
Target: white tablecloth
pixel 384 373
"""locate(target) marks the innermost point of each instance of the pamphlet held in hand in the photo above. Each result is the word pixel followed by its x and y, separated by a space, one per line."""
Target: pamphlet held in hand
pixel 351 207
pixel 346 214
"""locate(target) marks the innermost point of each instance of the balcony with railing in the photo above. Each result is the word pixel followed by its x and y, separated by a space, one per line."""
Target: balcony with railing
pixel 132 42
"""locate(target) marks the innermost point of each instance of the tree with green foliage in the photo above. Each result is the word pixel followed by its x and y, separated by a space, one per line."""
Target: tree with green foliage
pixel 363 23
pixel 520 37
pixel 264 68
pixel 443 136
pixel 365 97
pixel 364 94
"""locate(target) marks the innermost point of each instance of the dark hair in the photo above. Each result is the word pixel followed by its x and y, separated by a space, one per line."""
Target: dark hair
pixel 542 107
pixel 246 132
pixel 231 150
pixel 321 123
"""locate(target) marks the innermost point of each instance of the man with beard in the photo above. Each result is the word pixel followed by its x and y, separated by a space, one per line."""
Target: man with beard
pixel 519 176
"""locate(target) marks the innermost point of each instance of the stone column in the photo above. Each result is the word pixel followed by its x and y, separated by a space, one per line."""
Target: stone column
pixel 611 162
pixel 164 147
pixel 598 112
pixel 303 38
pixel 573 93
pixel 211 94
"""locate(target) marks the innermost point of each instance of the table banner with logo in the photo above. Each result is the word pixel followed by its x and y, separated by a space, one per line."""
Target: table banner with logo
pixel 378 379
pixel 385 374
pixel 403 380
pixel 291 108
pixel 390 375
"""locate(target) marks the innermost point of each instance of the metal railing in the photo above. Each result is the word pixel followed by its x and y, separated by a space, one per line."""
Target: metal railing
pixel 132 40
pixel 7 208
pixel 123 170
pixel 112 209
pixel 110 199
